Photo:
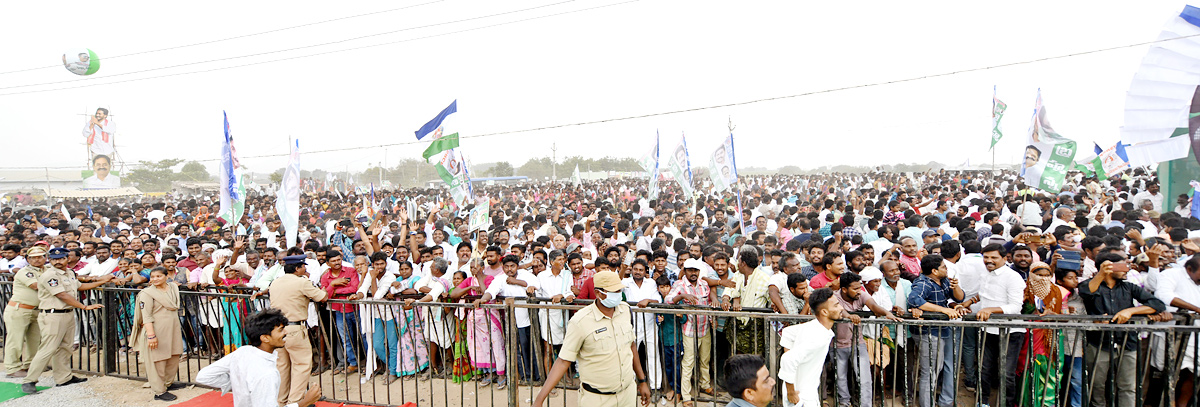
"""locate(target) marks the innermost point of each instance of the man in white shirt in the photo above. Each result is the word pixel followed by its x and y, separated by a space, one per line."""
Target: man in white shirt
pixel 1150 194
pixel 515 283
pixel 272 233
pixel 555 282
pixel 250 371
pixel 644 291
pixel 102 266
pixel 1030 212
pixel 1000 291
pixel 805 347
pixel 1179 288
pixel 11 259
pixel 1063 216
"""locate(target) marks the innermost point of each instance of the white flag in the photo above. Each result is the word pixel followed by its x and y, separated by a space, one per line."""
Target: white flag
pixel 650 164
pixel 287 203
pixel 722 167
pixel 681 167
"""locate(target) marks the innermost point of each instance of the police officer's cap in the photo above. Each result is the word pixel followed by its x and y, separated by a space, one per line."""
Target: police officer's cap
pixel 57 253
pixel 297 259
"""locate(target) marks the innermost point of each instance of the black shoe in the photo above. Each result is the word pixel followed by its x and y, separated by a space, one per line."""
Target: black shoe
pixel 74 379
pixel 176 386
pixel 29 388
pixel 166 396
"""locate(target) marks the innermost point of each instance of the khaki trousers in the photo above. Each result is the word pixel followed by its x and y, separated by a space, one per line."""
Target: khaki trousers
pixel 627 397
pixel 22 340
pixel 58 332
pixel 294 364
pixel 162 373
pixel 690 345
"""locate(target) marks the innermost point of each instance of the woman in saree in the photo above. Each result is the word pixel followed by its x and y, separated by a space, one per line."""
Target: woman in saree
pixel 1044 348
pixel 460 369
pixel 484 335
pixel 232 311
pixel 158 334
pixel 414 350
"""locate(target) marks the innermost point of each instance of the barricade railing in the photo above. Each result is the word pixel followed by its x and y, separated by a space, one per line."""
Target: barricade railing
pixel 443 354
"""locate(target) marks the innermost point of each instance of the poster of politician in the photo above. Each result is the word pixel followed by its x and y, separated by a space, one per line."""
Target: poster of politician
pixel 99 132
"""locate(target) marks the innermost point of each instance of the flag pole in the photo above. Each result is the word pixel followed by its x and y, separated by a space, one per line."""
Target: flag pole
pixel 740 187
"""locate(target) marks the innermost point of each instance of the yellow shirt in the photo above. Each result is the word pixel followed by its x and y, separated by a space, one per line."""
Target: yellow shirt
pixel 601 347
pixel 24 278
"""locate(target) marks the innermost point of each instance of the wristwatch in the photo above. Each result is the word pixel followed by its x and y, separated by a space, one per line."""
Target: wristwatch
pixel 640 381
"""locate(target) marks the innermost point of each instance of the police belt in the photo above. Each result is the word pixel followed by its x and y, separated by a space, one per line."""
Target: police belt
pixel 591 389
pixel 302 323
pixel 21 306
pixel 57 311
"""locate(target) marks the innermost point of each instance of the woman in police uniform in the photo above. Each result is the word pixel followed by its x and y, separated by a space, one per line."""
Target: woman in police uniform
pixel 157 333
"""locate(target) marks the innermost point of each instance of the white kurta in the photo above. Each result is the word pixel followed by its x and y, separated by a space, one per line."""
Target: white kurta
pixel 437 330
pixel 554 322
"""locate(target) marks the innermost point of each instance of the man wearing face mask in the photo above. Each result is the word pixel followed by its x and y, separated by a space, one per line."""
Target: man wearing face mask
pixel 600 340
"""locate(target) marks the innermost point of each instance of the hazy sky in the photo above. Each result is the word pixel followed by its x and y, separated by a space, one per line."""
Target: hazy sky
pixel 628 59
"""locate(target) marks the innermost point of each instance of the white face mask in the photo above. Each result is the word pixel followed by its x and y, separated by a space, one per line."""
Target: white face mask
pixel 611 300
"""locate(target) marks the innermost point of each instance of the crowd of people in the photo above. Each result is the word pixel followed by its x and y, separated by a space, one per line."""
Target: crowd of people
pixel 877 247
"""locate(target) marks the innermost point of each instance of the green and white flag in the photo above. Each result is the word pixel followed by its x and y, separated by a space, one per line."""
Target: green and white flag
pixel 575 179
pixel 453 171
pixel 998 108
pixel 1048 155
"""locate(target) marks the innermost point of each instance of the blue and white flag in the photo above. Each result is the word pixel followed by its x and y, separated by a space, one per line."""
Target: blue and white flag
pixel 1195 207
pixel 233 190
pixel 445 134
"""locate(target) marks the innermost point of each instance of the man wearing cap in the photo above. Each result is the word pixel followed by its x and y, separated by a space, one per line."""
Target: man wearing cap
pixel 58 296
pixel 291 293
pixel 600 340
pixel 20 317
pixel 697 343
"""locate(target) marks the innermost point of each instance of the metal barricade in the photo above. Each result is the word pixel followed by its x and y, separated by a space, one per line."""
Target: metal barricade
pixel 457 354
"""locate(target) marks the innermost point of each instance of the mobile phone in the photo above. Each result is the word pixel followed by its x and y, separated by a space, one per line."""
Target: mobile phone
pixel 1070 260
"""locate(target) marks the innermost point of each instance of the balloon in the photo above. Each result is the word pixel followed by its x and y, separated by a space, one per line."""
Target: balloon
pixel 81 62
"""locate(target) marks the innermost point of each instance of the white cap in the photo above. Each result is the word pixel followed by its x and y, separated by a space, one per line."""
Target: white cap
pixel 693 264
pixel 870 273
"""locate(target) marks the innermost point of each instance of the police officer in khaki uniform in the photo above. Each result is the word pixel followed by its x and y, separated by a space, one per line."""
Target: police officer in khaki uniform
pixel 58 297
pixel 599 339
pixel 291 293
pixel 20 316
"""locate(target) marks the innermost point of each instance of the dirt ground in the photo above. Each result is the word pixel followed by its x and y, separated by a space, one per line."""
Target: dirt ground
pixel 128 391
